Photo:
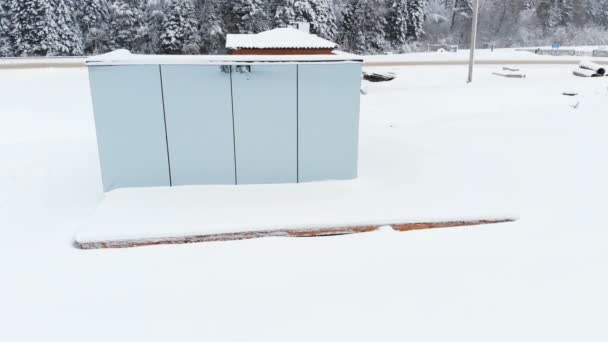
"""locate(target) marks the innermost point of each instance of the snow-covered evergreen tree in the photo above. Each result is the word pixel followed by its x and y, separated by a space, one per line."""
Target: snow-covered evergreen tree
pixel 154 16
pixel 554 13
pixel 463 8
pixel 323 19
pixel 528 4
pixel 397 23
pixel 246 16
pixel 601 14
pixel 30 23
pixel 70 42
pixel 126 26
pixel 6 49
pixel 462 15
pixel 319 13
pixel 362 27
pixel 213 36
pixel 94 20
pixel 65 27
pixel 284 13
pixel 415 18
pixel 568 9
pixel 44 28
pixel 180 29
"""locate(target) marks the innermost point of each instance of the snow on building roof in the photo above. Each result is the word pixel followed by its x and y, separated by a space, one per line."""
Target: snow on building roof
pixel 278 38
pixel 122 57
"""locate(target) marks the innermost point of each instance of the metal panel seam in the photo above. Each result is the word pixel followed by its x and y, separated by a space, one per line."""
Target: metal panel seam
pixel 162 96
pixel 297 123
pixel 233 132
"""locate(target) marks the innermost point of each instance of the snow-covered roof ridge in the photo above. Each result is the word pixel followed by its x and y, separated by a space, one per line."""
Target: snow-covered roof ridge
pixel 278 38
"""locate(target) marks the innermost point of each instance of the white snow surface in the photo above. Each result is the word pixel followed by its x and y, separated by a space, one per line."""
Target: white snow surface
pixel 508 55
pixel 120 57
pixel 278 38
pixel 540 278
pixel 382 197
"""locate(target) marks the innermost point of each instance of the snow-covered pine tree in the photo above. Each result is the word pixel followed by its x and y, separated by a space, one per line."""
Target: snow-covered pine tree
pixel 352 35
pixel 397 23
pixel 125 26
pixel 213 36
pixel 415 18
pixel 319 13
pixel 31 22
pixel 569 10
pixel 554 13
pixel 284 13
pixel 448 4
pixel 528 4
pixel 245 16
pixel 601 16
pixel 462 8
pixel 542 13
pixel 68 31
pixel 95 25
pixel 6 49
pixel 154 16
pixel 323 19
pixel 362 27
pixel 44 28
pixel 565 8
pixel 180 29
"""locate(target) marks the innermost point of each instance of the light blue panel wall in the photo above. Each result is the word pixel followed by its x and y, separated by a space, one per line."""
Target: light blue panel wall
pixel 265 119
pixel 129 119
pixel 328 120
pixel 198 108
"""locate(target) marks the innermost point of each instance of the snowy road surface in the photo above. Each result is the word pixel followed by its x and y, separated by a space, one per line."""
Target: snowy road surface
pixel 543 278
pixel 483 57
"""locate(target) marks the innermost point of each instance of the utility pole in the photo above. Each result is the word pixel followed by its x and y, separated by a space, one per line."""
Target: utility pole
pixel 473 39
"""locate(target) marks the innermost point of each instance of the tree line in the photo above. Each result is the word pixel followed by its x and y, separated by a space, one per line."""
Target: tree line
pixel 84 27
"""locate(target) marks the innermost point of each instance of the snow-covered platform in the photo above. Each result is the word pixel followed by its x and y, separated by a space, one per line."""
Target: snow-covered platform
pixel 149 216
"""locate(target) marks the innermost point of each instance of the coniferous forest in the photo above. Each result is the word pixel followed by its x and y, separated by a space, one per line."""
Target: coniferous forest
pixel 84 27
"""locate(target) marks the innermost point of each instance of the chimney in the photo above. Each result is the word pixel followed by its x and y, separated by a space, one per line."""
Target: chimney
pixel 304 27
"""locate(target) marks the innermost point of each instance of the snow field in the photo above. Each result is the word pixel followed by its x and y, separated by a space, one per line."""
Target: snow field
pixel 515 141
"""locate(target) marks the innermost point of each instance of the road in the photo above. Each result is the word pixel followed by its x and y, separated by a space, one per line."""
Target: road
pixel 78 62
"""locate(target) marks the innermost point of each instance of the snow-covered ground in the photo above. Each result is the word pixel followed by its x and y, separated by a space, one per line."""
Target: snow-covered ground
pixel 519 140
pixel 483 56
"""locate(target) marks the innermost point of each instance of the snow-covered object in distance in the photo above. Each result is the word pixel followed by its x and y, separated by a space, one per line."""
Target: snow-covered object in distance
pixel 278 38
pixel 589 65
pixel 585 73
pixel 510 74
pixel 378 76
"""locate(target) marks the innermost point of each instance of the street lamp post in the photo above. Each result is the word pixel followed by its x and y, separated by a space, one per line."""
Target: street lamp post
pixel 473 39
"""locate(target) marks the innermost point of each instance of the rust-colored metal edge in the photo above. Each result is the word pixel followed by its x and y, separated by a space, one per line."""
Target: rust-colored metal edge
pixel 330 231
pixel 449 224
pixel 402 227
